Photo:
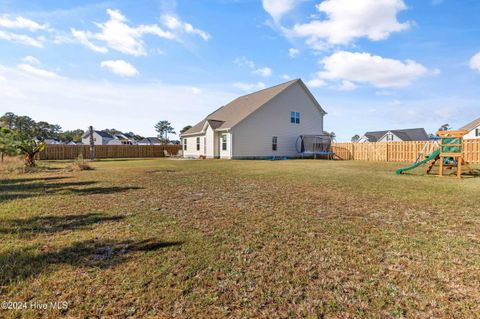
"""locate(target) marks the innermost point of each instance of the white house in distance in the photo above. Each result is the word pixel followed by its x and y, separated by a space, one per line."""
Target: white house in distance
pixel 263 124
pixel 473 129
pixel 99 138
pixel 404 135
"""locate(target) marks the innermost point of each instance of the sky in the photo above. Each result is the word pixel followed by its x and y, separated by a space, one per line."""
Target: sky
pixel 371 64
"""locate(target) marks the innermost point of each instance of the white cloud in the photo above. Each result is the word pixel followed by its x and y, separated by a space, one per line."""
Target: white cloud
pixel 316 83
pixel 174 23
pixel 20 23
pixel 249 87
pixel 244 62
pixel 366 68
pixel 196 90
pixel 265 72
pixel 475 62
pixel 38 71
pixel 71 102
pixel 347 20
pixel 31 60
pixel 119 67
pixel 347 86
pixel 278 8
pixel 119 36
pixel 21 38
pixel 292 52
pixel 285 77
pixel 82 37
pixel 32 66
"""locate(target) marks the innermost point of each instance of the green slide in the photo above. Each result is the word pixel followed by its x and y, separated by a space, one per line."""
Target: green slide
pixel 417 164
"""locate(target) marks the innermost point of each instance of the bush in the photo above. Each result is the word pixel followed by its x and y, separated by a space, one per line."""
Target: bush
pixel 16 165
pixel 79 164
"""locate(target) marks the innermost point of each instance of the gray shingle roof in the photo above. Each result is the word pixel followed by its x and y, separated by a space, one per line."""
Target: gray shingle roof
pixel 101 133
pixel 232 113
pixel 150 140
pixel 413 134
pixel 472 125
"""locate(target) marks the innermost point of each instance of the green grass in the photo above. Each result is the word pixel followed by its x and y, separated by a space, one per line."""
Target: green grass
pixel 164 238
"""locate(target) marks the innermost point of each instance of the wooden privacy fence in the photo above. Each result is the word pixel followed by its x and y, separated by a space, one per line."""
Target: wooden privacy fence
pixel 397 151
pixel 64 152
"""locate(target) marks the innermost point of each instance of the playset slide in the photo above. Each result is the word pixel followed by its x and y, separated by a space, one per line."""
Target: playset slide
pixel 429 158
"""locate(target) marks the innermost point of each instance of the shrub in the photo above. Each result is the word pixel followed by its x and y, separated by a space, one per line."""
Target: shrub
pixel 79 164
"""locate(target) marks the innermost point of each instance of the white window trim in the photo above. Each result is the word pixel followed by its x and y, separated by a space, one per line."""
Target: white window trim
pixel 224 142
pixel 295 116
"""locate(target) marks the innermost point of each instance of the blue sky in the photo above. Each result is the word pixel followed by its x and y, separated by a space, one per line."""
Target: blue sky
pixel 371 64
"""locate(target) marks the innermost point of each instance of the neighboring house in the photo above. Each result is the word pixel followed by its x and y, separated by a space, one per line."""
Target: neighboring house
pixel 131 138
pixel 99 138
pixel 150 141
pixel 414 134
pixel 263 124
pixel 473 129
pixel 120 139
pixel 52 141
pixel 72 143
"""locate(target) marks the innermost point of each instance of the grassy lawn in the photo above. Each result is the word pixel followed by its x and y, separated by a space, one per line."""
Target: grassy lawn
pixel 208 239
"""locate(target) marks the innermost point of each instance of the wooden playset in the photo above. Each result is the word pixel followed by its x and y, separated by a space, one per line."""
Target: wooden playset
pixel 449 151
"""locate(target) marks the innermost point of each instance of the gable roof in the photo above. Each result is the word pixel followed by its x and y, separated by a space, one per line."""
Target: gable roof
pixel 150 140
pixel 101 133
pixel 237 110
pixel 413 134
pixel 472 125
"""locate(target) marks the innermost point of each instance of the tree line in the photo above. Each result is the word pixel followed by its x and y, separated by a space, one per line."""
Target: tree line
pixel 20 134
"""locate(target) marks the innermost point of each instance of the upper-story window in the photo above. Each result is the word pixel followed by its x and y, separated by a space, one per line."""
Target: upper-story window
pixel 184 144
pixel 224 142
pixel 198 143
pixel 295 117
pixel 477 132
pixel 389 137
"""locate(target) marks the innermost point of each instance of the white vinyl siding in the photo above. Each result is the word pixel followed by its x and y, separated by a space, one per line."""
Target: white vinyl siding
pixel 473 134
pixel 191 150
pixel 97 139
pixel 390 137
pixel 253 136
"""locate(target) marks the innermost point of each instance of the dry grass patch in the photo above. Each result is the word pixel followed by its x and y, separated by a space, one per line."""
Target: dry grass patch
pixel 163 238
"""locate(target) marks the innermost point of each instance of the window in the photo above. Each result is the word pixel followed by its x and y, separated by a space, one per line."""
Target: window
pixel 274 143
pixel 224 142
pixel 477 132
pixel 184 144
pixel 389 137
pixel 198 143
pixel 295 117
